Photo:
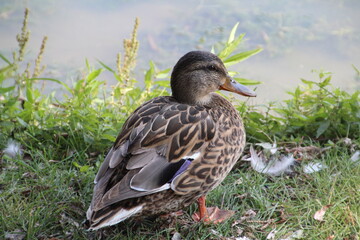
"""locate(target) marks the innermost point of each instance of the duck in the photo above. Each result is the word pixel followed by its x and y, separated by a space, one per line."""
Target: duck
pixel 173 150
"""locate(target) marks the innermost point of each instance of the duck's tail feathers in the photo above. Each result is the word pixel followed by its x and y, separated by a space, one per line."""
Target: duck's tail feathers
pixel 96 221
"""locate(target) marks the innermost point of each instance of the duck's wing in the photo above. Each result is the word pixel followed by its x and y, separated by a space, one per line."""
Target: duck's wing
pixel 157 143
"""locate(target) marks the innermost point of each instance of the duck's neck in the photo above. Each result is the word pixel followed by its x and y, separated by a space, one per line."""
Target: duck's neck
pixel 195 100
pixel 205 100
pixel 218 101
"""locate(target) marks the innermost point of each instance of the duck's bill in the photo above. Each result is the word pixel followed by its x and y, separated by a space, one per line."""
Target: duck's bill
pixel 233 86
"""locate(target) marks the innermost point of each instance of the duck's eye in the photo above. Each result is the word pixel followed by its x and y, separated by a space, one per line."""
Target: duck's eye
pixel 212 68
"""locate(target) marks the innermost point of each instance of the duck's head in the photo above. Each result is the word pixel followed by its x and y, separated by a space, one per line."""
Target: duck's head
pixel 199 73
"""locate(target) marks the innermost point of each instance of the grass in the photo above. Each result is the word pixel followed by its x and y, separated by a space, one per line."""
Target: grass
pixel 43 198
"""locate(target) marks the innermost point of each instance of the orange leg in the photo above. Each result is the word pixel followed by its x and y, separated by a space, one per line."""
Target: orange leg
pixel 203 212
pixel 211 214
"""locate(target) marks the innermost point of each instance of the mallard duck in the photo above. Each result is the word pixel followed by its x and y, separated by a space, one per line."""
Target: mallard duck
pixel 172 150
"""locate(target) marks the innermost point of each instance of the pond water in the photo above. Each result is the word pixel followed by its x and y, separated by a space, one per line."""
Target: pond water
pixel 297 36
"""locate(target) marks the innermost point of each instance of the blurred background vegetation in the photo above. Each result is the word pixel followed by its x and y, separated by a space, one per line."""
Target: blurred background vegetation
pixel 286 30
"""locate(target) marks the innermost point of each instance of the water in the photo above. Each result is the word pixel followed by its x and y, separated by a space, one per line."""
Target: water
pixel 297 36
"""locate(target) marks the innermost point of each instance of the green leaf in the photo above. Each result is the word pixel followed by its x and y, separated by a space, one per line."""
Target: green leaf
pixel 164 83
pixel 356 69
pixel 297 92
pixel 125 90
pixel 323 74
pixel 149 74
pixel 79 85
pixel 229 48
pixel 87 64
pixel 241 57
pixel 4 70
pixel 232 33
pixel 255 115
pixel 29 95
pixel 308 82
pixel 109 137
pixel 300 116
pixel 106 67
pixel 84 168
pixel 22 122
pixel 5 90
pixel 46 79
pixel 233 73
pixel 52 80
pixel 322 128
pixel 325 82
pixel 247 81
pixel 76 164
pixel 163 74
pixel 94 74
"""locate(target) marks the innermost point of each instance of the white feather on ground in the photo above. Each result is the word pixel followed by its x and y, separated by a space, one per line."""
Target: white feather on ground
pixel 313 167
pixel 272 148
pixel 274 166
pixel 13 149
pixel 355 157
